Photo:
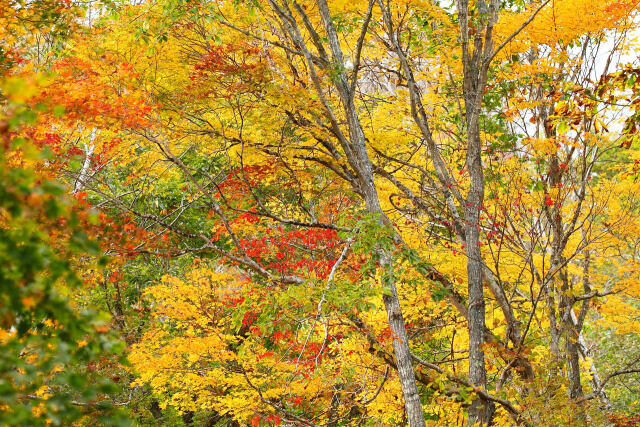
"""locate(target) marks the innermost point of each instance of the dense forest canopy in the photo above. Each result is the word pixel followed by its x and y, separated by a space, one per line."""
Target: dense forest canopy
pixel 323 212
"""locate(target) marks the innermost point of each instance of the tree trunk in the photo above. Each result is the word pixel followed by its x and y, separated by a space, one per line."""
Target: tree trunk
pixel 361 163
pixel 355 151
pixel 401 348
pixel 83 175
pixel 479 410
pixel 573 356
pixel 476 51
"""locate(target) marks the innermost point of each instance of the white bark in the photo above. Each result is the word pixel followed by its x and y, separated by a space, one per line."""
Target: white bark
pixel 83 175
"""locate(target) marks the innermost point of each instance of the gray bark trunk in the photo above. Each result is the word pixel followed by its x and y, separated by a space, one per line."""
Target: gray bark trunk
pixel 402 351
pixel 573 355
pixel 474 83
pixel 479 410
pixel 355 150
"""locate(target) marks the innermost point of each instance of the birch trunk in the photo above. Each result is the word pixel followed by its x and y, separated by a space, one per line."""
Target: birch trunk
pixel 83 175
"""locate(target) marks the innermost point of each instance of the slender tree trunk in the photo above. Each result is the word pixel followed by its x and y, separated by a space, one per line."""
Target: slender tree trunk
pixel 401 348
pixel 572 353
pixel 579 320
pixel 477 372
pixel 558 268
pixel 572 346
pixel 355 151
pixel 554 329
pixel 476 52
pixel 596 381
pixel 473 87
pixel 479 410
pixel 83 175
pixel 156 411
pixel 570 332
pixel 361 163
pixel 402 351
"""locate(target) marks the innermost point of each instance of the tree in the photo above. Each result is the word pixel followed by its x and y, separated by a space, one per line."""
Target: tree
pixel 47 345
pixel 296 172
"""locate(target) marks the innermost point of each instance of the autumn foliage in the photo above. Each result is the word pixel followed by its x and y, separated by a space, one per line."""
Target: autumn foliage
pixel 319 213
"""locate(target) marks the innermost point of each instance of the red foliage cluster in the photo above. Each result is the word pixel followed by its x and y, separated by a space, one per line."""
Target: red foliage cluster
pixel 105 153
pixel 625 420
pixel 124 238
pixel 107 100
pixel 239 181
pixel 285 251
pixel 228 71
pixel 121 235
pixel 50 140
pixel 294 251
pixel 9 59
pixel 66 149
pixel 228 59
pixel 273 419
pixel 547 200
